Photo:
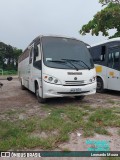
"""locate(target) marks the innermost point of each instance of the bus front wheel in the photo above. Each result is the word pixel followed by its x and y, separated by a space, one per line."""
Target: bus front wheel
pixel 40 99
pixel 100 87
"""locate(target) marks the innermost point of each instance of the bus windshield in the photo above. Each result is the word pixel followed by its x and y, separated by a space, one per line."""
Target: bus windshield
pixel 65 53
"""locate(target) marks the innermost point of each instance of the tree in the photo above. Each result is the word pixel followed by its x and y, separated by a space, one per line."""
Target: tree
pixel 16 54
pixel 2 54
pixel 9 56
pixel 105 2
pixel 107 18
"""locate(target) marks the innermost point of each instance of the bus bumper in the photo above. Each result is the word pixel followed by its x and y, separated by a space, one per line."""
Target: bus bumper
pixel 52 90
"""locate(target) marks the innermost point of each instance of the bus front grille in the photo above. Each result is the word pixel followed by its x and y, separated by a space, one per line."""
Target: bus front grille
pixel 74 83
pixel 73 92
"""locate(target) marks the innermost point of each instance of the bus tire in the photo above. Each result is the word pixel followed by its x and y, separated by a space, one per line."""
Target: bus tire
pixel 79 97
pixel 40 99
pixel 22 86
pixel 100 86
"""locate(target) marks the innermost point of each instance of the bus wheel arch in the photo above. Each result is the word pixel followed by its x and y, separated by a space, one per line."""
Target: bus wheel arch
pixel 100 85
pixel 40 99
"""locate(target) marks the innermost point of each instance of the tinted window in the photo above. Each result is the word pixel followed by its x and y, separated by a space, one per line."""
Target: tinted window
pixel 57 49
pixel 36 52
pixel 98 53
pixel 95 52
pixel 114 58
pixel 30 56
pixel 37 56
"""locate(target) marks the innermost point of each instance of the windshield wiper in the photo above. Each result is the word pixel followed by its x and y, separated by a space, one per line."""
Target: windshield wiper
pixel 70 61
pixel 73 60
pixel 58 61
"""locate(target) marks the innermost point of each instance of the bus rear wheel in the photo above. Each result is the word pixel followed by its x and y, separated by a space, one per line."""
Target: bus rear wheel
pixel 100 87
pixel 79 97
pixel 40 99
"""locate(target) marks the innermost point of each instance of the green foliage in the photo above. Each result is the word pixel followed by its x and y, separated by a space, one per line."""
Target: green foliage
pixel 105 117
pixel 9 56
pixel 105 2
pixel 9 72
pixel 108 18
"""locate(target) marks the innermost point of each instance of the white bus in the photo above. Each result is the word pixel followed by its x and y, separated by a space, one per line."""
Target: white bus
pixel 54 66
pixel 106 56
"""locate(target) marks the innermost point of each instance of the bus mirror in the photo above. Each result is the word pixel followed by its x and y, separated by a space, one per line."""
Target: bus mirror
pixel 9 78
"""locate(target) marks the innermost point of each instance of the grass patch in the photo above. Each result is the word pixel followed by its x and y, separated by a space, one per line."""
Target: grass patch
pixel 88 129
pixel 116 110
pixel 57 127
pixel 105 117
pixel 11 112
pixel 101 130
pixel 17 136
pixel 9 72
pixel 88 133
pixel 89 108
pixel 65 149
pixel 100 119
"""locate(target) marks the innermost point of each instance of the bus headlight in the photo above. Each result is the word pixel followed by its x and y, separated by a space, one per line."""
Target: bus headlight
pixel 93 79
pixel 50 79
pixel 56 81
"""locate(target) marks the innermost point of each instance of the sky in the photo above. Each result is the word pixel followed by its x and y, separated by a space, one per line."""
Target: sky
pixel 23 20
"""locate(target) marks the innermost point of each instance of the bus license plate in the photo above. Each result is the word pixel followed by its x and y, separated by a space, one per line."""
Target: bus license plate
pixel 75 90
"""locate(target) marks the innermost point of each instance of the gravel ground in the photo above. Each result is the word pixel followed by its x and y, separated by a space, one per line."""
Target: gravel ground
pixel 13 98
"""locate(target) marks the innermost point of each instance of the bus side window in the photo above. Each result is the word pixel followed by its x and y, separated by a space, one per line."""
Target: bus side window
pixel 36 52
pixel 30 57
pixel 102 56
pixel 116 60
pixel 95 53
pixel 37 57
pixel 113 58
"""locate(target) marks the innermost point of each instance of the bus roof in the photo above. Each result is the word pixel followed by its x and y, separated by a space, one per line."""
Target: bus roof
pixel 57 36
pixel 106 41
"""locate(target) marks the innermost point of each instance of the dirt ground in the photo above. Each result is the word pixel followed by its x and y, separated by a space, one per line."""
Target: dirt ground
pixel 13 98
